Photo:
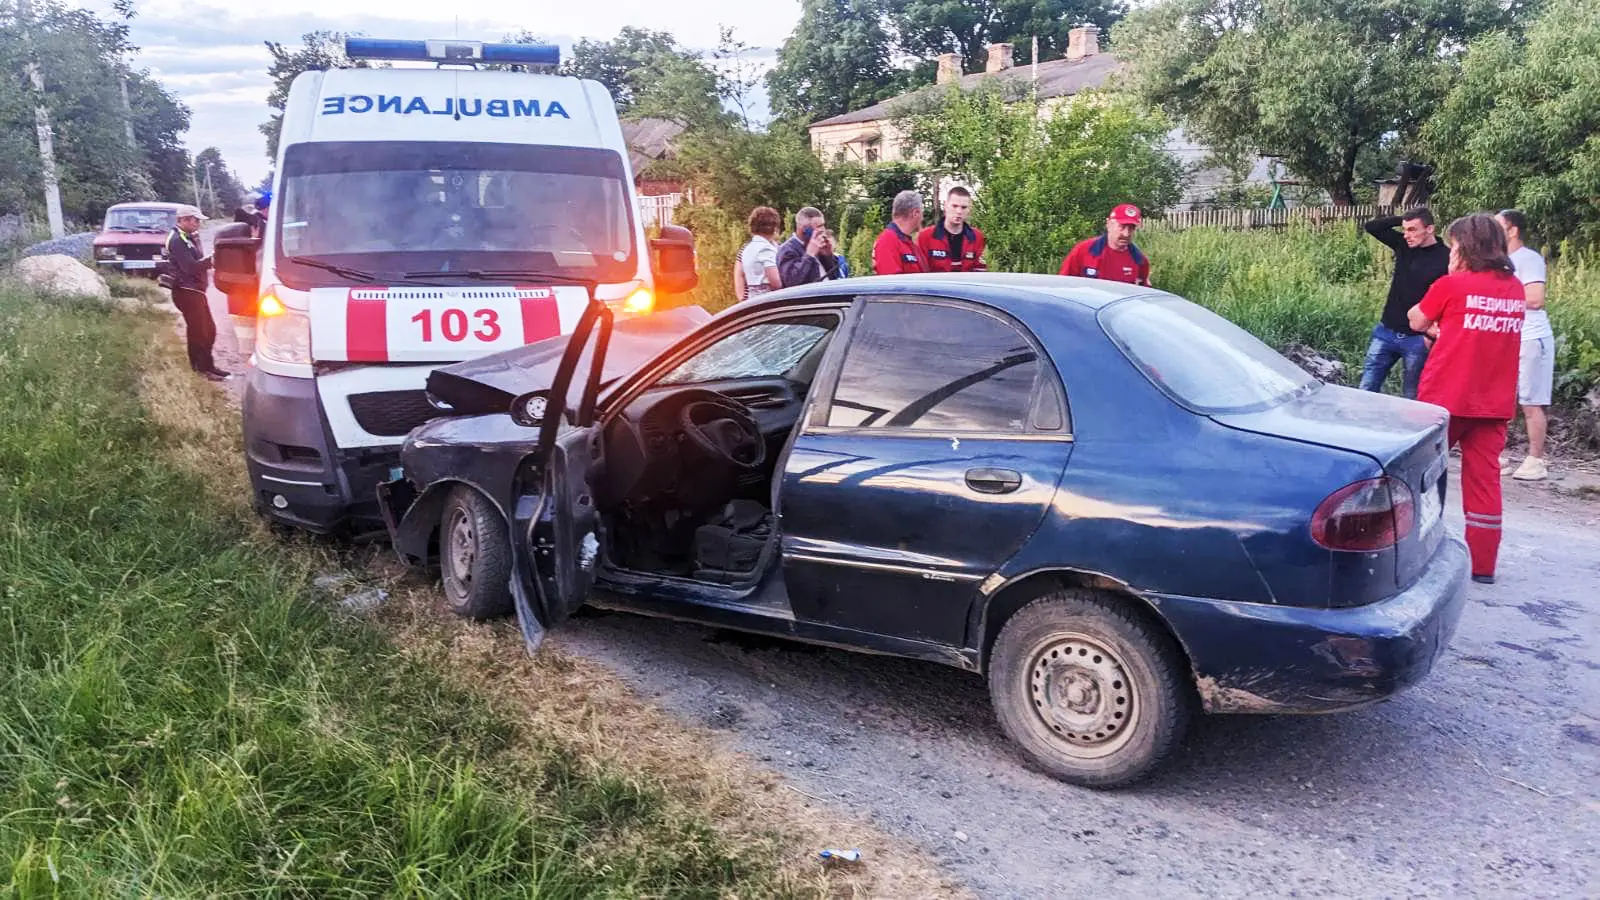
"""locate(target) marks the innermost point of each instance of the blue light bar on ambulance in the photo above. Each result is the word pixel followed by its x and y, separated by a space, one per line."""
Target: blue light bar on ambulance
pixel 453 51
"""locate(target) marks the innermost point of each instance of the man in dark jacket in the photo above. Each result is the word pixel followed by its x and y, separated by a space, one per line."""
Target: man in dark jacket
pixel 187 267
pixel 1420 259
pixel 808 255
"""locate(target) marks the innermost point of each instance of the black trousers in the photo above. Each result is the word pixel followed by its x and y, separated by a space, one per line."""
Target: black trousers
pixel 198 327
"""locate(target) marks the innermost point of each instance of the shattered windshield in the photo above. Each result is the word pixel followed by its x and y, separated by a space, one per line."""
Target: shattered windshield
pixel 768 350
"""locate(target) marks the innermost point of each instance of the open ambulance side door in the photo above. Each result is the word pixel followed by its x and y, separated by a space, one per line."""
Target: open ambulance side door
pixel 555 528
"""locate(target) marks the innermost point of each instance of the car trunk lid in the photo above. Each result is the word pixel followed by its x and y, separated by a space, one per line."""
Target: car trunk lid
pixel 1408 440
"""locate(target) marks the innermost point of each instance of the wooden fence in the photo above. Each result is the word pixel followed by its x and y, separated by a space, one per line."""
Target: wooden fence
pixel 1267 218
pixel 657 210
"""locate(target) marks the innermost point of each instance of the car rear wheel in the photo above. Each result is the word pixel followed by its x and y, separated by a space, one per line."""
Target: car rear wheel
pixel 1092 692
pixel 474 556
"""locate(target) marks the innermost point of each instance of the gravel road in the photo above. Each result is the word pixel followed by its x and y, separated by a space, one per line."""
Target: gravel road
pixel 1483 780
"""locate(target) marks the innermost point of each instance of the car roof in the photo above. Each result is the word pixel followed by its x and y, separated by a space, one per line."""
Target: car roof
pixel 1012 292
pixel 153 204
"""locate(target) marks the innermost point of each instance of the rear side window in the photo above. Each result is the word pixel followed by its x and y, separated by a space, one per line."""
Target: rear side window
pixel 1200 359
pixel 933 367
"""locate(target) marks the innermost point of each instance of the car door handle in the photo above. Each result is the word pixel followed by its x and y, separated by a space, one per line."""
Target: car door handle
pixel 994 481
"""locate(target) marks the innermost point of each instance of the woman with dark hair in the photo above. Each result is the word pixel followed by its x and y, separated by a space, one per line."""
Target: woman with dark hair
pixel 757 271
pixel 1475 314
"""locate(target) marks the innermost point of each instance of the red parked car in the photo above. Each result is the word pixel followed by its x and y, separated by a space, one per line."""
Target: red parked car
pixel 134 237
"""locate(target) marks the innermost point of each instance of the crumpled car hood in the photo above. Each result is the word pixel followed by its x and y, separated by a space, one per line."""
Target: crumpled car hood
pixel 488 384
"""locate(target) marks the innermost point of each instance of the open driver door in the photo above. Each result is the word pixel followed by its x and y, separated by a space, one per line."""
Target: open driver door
pixel 555 528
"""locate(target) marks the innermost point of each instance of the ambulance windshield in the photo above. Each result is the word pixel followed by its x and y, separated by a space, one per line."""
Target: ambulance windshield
pixel 390 207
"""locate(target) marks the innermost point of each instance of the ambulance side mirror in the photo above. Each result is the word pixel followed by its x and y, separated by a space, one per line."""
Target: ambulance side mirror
pixel 672 262
pixel 233 258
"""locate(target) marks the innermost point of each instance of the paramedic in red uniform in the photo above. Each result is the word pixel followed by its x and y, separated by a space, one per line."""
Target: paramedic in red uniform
pixel 1112 256
pixel 1476 311
pixel 896 251
pixel 951 245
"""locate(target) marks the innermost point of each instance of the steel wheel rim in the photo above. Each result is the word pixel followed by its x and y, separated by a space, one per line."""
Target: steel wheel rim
pixel 1081 695
pixel 460 551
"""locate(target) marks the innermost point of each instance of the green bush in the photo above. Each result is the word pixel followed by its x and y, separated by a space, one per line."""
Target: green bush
pixel 1045 180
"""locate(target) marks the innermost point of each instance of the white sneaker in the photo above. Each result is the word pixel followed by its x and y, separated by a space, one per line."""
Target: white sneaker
pixel 1505 465
pixel 1532 469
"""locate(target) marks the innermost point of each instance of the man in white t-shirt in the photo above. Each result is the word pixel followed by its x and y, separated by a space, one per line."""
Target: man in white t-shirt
pixel 1536 377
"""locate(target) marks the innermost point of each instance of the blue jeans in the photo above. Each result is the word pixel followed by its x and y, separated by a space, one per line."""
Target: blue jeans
pixel 1386 349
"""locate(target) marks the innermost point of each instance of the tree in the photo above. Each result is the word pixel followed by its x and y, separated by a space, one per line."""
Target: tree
pixel 928 28
pixel 1317 83
pixel 226 192
pixel 159 121
pixel 742 169
pixel 1044 184
pixel 648 74
pixel 83 62
pixel 1521 128
pixel 319 51
pixel 837 59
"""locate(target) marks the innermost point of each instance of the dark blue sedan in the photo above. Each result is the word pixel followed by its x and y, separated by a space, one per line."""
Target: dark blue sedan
pixel 1118 506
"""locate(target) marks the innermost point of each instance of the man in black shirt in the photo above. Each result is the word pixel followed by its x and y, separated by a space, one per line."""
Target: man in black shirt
pixel 1420 259
pixel 187 267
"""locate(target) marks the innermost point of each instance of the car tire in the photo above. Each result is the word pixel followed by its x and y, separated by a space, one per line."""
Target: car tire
pixel 474 556
pixel 1092 692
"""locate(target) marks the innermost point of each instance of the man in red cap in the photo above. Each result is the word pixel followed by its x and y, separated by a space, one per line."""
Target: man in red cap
pixel 1112 256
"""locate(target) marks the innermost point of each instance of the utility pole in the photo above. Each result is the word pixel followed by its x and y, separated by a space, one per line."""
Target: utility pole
pixel 127 115
pixel 1035 72
pixel 194 183
pixel 41 119
pixel 210 189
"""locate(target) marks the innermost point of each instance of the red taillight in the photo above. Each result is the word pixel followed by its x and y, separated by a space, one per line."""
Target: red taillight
pixel 1365 516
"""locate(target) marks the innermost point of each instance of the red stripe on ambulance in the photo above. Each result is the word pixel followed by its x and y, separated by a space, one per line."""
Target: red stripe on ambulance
pixel 541 317
pixel 366 327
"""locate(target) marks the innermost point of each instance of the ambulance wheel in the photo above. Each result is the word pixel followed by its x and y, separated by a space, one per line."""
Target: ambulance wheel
pixel 474 556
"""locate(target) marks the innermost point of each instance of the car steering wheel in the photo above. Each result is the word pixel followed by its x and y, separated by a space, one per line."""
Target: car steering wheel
pixel 723 430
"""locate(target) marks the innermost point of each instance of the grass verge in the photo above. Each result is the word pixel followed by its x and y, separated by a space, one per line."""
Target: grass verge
pixel 183 718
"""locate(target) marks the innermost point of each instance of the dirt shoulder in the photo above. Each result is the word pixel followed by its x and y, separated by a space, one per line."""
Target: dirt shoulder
pixel 559 698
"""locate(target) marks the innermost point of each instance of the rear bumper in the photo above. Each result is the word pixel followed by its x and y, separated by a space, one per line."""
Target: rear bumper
pixel 1255 658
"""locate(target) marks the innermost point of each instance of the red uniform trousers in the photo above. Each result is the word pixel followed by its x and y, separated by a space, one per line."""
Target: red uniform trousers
pixel 1481 441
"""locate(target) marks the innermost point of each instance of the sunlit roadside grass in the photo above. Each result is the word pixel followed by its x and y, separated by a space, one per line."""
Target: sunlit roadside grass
pixel 182 716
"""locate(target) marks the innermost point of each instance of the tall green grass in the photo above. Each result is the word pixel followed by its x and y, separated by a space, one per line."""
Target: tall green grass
pixel 1325 288
pixel 179 717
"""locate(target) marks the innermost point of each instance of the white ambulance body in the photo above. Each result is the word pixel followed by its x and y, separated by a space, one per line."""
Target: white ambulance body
pixel 421 216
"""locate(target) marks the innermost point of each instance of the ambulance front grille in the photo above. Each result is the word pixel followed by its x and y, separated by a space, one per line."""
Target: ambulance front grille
pixel 391 413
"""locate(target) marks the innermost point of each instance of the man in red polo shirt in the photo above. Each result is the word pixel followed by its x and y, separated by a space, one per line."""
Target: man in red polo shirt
pixel 951 245
pixel 896 251
pixel 1112 256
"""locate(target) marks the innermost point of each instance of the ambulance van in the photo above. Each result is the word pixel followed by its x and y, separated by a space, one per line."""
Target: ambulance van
pixel 424 215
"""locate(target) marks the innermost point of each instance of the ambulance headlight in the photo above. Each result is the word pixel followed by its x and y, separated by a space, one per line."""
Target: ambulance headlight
pixel 639 302
pixel 282 334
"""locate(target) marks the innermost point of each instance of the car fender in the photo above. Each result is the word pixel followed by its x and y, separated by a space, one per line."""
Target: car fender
pixel 1000 596
pixel 412 536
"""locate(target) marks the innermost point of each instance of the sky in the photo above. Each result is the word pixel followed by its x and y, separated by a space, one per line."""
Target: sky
pixel 211 54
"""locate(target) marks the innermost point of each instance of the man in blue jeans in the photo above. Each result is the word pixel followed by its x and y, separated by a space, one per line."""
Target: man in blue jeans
pixel 1420 259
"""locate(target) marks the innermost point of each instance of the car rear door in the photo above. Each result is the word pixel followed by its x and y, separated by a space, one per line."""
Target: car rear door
pixel 930 457
pixel 554 523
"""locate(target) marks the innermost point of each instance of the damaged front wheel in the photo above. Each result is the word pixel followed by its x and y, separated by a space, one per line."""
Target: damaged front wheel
pixel 474 556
